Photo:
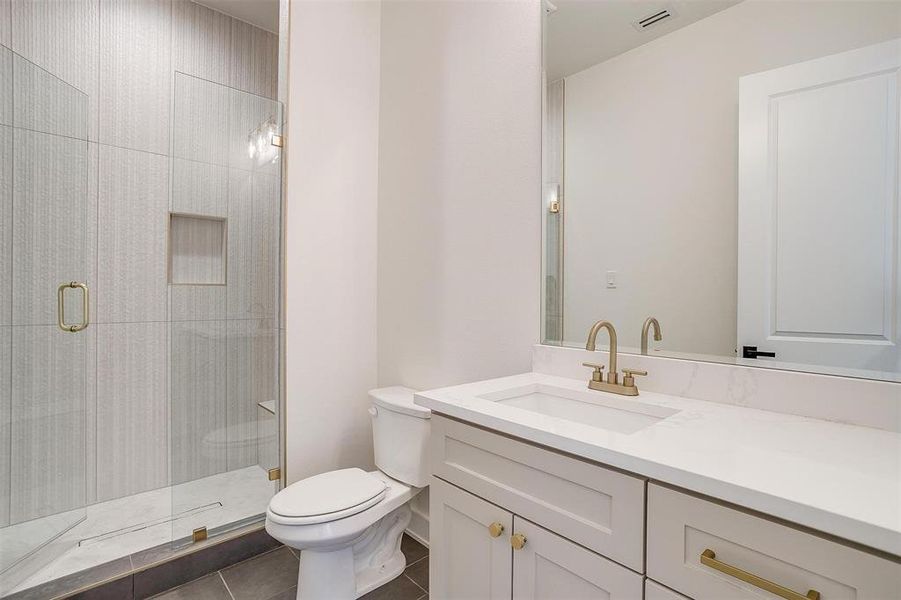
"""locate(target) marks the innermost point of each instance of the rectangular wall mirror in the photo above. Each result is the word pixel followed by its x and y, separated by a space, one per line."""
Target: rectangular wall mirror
pixel 730 169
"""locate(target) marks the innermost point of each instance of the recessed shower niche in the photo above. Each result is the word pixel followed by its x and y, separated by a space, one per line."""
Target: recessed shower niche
pixel 197 249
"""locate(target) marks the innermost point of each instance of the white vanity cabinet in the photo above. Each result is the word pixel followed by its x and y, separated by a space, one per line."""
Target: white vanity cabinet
pixel 473 556
pixel 511 520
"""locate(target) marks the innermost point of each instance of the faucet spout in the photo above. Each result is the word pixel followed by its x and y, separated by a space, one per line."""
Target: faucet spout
pixel 648 323
pixel 591 345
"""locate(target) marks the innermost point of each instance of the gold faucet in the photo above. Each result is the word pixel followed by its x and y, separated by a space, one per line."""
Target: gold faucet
pixel 648 323
pixel 628 387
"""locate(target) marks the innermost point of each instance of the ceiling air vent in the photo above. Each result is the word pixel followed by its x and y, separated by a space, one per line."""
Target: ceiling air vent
pixel 655 18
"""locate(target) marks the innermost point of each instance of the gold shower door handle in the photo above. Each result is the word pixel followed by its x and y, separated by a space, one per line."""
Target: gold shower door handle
pixel 708 558
pixel 61 306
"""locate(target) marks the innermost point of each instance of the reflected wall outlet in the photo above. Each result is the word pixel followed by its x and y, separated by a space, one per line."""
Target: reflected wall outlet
pixel 611 280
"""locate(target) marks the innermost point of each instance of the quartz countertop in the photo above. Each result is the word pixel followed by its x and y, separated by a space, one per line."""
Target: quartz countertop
pixel 844 480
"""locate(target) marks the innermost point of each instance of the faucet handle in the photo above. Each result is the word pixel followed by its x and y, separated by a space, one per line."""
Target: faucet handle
pixel 629 376
pixel 596 374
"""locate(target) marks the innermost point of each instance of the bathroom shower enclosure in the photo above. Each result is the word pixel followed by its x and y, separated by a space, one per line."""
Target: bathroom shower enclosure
pixel 140 225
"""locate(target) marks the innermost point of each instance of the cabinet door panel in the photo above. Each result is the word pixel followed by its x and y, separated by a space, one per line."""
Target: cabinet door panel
pixel 550 567
pixel 466 562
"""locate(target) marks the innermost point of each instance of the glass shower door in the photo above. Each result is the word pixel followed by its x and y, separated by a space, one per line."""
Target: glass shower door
pixel 44 316
pixel 224 234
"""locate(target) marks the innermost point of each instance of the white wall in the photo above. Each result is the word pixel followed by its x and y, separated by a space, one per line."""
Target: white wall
pixel 651 165
pixel 459 181
pixel 331 223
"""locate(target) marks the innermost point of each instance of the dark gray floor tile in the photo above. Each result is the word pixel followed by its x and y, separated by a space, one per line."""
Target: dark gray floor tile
pixel 205 588
pixel 118 589
pixel 412 549
pixel 290 594
pixel 194 565
pixel 396 589
pixel 262 576
pixel 247 545
pixel 419 573
pixel 76 581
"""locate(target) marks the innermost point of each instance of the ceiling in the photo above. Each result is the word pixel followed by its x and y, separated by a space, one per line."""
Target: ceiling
pixel 262 13
pixel 582 33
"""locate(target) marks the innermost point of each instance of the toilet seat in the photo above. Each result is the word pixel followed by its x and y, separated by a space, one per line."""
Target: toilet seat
pixel 327 497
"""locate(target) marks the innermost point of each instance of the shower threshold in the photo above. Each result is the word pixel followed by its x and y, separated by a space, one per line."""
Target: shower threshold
pixel 127 526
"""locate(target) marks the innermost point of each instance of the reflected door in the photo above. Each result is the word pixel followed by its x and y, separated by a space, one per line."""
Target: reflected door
pixel 43 314
pixel 818 211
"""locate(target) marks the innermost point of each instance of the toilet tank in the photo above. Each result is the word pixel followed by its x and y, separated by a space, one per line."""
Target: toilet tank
pixel 400 435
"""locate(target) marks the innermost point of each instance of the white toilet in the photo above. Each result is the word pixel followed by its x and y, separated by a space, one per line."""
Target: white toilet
pixel 348 524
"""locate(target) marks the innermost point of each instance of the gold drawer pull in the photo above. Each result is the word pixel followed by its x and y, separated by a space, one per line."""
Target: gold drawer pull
pixel 495 529
pixel 708 558
pixel 518 541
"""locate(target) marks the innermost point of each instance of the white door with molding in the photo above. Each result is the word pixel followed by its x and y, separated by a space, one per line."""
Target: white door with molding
pixel 819 221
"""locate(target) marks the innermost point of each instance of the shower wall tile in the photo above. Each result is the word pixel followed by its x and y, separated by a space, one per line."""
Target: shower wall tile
pixel 196 302
pixel 133 223
pixel 252 378
pixel 247 115
pixel 5 421
pixel 44 102
pixel 6 85
pixel 135 74
pixel 6 23
pixel 61 37
pixel 253 246
pixel 90 414
pixel 197 399
pixel 132 408
pixel 50 209
pixel 48 422
pixel 6 225
pixel 200 118
pixel 254 60
pixel 199 188
pixel 201 41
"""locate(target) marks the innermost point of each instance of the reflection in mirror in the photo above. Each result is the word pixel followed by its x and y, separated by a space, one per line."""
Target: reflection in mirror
pixel 730 169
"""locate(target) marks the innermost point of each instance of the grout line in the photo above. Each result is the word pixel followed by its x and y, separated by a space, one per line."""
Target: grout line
pixel 414 583
pixel 416 561
pixel 225 583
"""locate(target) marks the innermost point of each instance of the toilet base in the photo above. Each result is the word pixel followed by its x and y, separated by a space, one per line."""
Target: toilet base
pixel 347 573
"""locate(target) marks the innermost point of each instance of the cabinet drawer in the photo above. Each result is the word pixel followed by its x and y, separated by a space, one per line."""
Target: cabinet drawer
pixel 600 509
pixel 681 528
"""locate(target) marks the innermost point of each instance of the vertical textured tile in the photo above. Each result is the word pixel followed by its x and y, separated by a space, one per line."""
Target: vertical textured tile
pixel 6 23
pixel 239 261
pixel 253 60
pixel 196 302
pixel 48 422
pixel 253 246
pixel 6 85
pixel 199 188
pixel 197 399
pixel 44 102
pixel 201 41
pixel 5 420
pixel 252 121
pixel 200 120
pixel 133 222
pixel 90 414
pixel 132 408
pixel 61 37
pixel 135 74
pixel 50 209
pixel 6 224
pixel 252 378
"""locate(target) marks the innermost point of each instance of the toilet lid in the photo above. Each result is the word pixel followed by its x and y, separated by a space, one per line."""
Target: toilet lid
pixel 329 496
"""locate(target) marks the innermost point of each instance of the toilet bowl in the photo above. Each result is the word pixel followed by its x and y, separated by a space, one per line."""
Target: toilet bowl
pixel 348 523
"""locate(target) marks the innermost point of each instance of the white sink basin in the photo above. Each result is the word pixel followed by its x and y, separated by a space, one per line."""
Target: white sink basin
pixel 596 409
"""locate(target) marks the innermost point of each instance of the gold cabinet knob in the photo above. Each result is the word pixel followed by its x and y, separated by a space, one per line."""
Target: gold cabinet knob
pixel 518 541
pixel 495 529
